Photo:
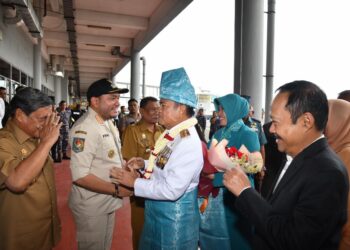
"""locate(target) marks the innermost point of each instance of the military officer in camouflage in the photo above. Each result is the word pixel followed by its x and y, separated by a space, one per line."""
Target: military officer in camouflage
pixel 64 119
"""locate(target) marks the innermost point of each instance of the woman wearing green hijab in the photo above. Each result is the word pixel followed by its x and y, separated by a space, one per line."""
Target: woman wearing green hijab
pixel 221 225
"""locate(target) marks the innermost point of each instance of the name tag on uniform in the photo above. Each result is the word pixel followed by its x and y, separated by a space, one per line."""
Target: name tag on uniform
pixel 81 132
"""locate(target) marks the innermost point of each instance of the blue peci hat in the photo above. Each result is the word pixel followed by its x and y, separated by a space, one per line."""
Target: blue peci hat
pixel 176 86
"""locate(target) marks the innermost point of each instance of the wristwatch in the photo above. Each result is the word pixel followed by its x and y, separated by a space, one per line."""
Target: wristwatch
pixel 116 190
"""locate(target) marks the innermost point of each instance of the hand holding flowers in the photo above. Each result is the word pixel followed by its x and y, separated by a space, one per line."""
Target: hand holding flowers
pixel 224 158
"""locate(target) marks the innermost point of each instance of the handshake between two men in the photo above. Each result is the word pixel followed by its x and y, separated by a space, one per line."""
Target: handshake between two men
pixel 125 176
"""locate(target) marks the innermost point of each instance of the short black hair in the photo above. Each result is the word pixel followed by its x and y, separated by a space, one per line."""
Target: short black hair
pixel 132 100
pixel 189 111
pixel 146 100
pixel 305 97
pixel 19 88
pixel 344 95
pixel 2 88
pixel 61 102
pixel 29 100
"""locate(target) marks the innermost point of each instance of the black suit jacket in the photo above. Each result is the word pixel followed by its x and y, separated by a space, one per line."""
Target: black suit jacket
pixel 308 208
pixel 274 161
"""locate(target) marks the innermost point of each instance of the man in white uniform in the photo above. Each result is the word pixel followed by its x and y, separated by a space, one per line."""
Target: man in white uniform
pixel 2 110
pixel 95 150
pixel 172 172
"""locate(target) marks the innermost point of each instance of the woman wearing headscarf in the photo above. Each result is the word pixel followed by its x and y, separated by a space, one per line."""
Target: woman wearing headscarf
pixel 338 135
pixel 221 225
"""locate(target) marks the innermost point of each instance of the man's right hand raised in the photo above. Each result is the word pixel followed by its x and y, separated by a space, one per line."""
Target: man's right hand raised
pixel 50 131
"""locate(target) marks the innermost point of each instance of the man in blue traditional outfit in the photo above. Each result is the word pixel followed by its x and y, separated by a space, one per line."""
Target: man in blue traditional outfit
pixel 171 174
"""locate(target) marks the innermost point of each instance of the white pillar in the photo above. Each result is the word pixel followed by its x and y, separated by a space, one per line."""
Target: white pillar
pixel 135 76
pixel 37 65
pixel 64 88
pixel 143 59
pixel 57 88
pixel 114 77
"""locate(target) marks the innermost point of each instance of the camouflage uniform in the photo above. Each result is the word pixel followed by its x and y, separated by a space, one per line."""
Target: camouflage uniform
pixel 64 131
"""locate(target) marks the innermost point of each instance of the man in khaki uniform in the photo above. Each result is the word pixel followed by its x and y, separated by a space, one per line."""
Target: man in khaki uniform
pixel 131 118
pixel 94 198
pixel 28 204
pixel 138 140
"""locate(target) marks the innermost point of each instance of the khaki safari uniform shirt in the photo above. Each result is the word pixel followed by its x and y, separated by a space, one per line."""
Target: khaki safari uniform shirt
pixel 28 220
pixel 94 151
pixel 138 140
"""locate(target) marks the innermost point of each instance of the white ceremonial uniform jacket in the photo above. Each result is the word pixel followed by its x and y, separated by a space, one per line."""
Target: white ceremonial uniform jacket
pixel 94 151
pixel 179 175
pixel 2 111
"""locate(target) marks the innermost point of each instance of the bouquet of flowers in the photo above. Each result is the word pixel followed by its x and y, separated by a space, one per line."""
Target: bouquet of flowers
pixel 251 163
pixel 224 158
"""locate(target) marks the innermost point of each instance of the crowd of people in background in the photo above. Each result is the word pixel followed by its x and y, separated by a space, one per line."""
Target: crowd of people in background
pixel 168 158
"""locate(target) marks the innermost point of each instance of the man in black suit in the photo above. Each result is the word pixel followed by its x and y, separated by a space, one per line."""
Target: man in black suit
pixel 306 207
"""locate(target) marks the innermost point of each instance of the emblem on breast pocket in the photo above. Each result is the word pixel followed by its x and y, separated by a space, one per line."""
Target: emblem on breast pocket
pixel 78 144
pixel 111 153
pixel 24 153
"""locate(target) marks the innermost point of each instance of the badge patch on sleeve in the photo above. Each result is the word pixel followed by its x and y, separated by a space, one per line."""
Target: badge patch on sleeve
pixel 78 144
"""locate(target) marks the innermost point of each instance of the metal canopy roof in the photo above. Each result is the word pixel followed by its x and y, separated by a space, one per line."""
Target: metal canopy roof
pixel 94 38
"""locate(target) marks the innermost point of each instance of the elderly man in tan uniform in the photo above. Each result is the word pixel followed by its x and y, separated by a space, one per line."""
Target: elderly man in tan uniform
pixel 139 139
pixel 94 198
pixel 28 204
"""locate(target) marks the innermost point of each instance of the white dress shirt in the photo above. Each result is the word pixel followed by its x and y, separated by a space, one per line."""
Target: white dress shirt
pixel 2 111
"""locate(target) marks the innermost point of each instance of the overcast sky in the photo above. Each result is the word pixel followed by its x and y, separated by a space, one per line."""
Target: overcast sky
pixel 312 42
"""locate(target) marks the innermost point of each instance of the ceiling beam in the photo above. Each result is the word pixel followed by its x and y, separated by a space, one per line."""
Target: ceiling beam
pixel 93 75
pixel 90 79
pixel 89 69
pixel 84 54
pixel 58 51
pixel 89 39
pixel 98 55
pixel 105 40
pixel 104 19
pixel 89 63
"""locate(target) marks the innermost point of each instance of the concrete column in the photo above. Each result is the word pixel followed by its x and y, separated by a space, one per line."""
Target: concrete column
pixel 57 88
pixel 64 88
pixel 143 59
pixel 37 65
pixel 114 77
pixel 251 44
pixel 135 75
pixel 270 44
pixel 238 48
